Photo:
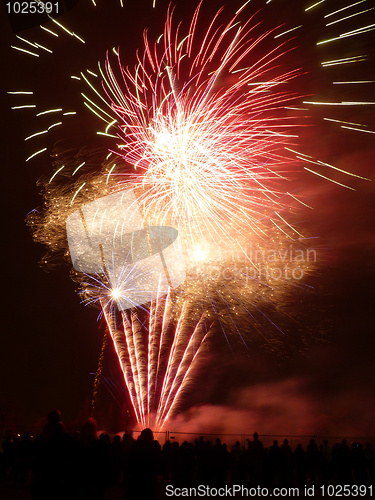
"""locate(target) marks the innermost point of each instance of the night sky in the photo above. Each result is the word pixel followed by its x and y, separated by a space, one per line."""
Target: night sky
pixel 50 343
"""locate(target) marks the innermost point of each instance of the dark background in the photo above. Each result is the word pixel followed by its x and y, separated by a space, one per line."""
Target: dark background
pixel 50 343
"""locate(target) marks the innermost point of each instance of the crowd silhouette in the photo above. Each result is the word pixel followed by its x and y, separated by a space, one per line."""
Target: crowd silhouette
pixel 60 466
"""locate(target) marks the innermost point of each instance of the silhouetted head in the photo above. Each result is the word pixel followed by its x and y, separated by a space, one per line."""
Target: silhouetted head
pixel 54 417
pixel 127 435
pixel 88 432
pixel 117 439
pixel 286 442
pixel 147 436
pixel 275 442
pixel 256 435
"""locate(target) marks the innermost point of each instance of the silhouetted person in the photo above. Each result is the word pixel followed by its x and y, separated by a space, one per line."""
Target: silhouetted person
pixel 175 464
pixel 254 459
pixel 237 464
pixel 93 464
pixel 126 445
pixel 287 463
pixel 6 457
pixel 370 461
pixel 220 463
pixel 300 463
pixel 341 462
pixel 51 461
pixel 144 464
pixel 116 458
pixel 312 454
pixel 275 463
pixel 358 461
pixel 326 462
pixel 187 463
pixel 167 461
pixel 24 459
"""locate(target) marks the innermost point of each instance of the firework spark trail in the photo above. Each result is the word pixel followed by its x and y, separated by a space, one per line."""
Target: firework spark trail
pixel 123 354
pixel 150 353
pixel 129 336
pixel 155 327
pixel 141 374
pixel 142 377
pixel 180 370
pixel 163 340
pixel 173 353
pixel 183 382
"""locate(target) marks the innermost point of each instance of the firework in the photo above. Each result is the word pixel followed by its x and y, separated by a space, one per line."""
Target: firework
pixel 202 126
pixel 203 129
pixel 202 120
pixel 156 364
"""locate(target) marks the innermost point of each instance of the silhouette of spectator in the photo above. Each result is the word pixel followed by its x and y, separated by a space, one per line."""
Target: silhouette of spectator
pixel 254 460
pixel 144 465
pixel 312 454
pixel 116 459
pixel 358 461
pixel 237 464
pixel 167 461
pixel 341 463
pixel 201 455
pixel 187 463
pixel 326 463
pixel 24 459
pixel 300 463
pixel 220 463
pixel 175 465
pixel 6 458
pixel 275 463
pixel 51 464
pixel 370 462
pixel 93 464
pixel 287 464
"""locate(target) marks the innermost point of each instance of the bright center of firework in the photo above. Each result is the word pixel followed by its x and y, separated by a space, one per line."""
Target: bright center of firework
pixel 199 254
pixel 172 143
pixel 115 293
